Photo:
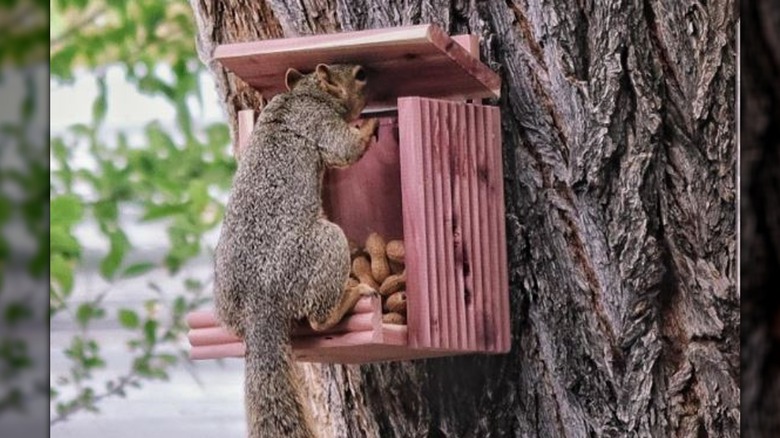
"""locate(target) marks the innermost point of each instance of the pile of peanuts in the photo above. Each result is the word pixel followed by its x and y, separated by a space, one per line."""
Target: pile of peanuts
pixel 380 265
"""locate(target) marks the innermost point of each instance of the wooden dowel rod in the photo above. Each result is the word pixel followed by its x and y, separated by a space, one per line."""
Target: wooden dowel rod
pixel 217 335
pixel 218 351
pixel 206 318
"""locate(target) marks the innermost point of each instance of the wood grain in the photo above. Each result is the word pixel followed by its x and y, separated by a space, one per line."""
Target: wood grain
pixel 246 123
pixel 366 197
pixel 501 245
pixel 466 263
pixel 394 58
pixel 429 218
pixel 453 156
pixel 415 230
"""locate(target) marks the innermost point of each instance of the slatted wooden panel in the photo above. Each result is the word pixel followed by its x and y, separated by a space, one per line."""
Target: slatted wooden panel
pixel 452 185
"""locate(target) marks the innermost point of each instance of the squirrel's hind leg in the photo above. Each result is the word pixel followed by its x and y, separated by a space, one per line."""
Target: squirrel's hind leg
pixel 328 298
pixel 349 297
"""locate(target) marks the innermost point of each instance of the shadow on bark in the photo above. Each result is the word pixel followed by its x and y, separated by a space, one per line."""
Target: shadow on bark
pixel 760 217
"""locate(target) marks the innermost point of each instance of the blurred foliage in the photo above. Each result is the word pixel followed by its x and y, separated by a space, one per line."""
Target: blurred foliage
pixel 176 176
pixel 24 192
pixel 23 32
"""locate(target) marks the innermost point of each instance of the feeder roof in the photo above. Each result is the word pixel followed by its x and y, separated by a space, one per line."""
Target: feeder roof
pixel 403 61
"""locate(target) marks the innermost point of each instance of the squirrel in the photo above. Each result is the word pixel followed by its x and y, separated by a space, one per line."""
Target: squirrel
pixel 278 259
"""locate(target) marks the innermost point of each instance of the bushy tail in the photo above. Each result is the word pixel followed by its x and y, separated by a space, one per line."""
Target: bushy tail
pixel 273 402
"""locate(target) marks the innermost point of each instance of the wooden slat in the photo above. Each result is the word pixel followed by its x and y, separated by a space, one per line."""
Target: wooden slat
pixel 246 123
pixel 455 130
pixel 201 318
pixel 496 245
pixel 206 318
pixel 469 42
pixel 503 290
pixel 210 336
pixel 365 329
pixel 217 351
pixel 475 201
pixel 375 353
pixel 394 57
pixel 484 231
pixel 435 136
pixel 456 271
pixel 387 342
pixel 491 227
pixel 437 332
pixel 331 341
pixel 351 323
pixel 219 335
pixel 452 291
pixel 415 232
pixel 466 245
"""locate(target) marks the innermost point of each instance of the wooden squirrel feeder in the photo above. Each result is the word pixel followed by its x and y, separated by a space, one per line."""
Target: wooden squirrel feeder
pixel 433 178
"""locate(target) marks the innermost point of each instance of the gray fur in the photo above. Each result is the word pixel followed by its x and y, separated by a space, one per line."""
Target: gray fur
pixel 278 258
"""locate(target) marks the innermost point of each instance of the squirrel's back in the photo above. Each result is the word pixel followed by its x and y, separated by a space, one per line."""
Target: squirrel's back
pixel 277 258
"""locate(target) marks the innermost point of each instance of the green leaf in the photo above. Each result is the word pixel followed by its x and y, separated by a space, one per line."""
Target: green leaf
pixel 159 139
pixel 192 284
pixel 111 262
pixel 218 134
pixel 137 269
pixel 62 241
pixel 66 210
pixel 199 195
pixel 167 358
pixel 179 306
pixel 87 312
pixel 62 272
pixel 128 318
pixel 164 210
pixel 150 331
pixel 106 210
pixel 100 105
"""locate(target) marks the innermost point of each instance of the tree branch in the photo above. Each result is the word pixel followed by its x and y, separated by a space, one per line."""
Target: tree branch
pixel 60 39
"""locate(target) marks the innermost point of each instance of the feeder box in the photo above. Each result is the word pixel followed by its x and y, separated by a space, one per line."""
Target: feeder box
pixel 433 178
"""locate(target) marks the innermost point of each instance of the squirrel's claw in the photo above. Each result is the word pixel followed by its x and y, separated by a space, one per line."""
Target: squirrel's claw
pixel 366 290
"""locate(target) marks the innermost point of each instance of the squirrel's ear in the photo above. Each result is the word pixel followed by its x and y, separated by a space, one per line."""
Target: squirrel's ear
pixel 292 77
pixel 327 81
pixel 323 72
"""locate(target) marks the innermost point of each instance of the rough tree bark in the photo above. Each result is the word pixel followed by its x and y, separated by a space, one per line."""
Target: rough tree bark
pixel 619 152
pixel 760 217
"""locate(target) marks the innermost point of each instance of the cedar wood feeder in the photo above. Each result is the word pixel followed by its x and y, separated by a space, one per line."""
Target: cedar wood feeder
pixel 433 178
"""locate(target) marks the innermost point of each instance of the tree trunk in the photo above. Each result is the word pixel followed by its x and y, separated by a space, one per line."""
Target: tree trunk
pixel 619 149
pixel 760 217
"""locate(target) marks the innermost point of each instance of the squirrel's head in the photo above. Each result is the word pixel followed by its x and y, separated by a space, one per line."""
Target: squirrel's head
pixel 344 82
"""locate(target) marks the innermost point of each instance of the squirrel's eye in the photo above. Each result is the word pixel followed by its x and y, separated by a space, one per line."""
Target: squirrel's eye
pixel 360 75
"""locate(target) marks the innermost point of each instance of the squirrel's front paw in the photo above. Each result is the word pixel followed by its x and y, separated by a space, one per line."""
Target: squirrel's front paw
pixel 366 290
pixel 369 129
